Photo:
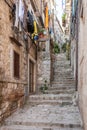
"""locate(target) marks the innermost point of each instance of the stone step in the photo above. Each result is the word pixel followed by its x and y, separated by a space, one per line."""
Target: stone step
pixel 50 97
pixel 62 88
pixel 63 72
pixel 22 127
pixel 62 77
pixel 61 82
pixel 56 99
pixel 62 60
pixel 61 99
pixel 64 80
pixel 51 102
pixel 62 85
pixel 61 63
pixel 45 116
pixel 68 80
pixel 59 91
pixel 62 66
pixel 64 63
pixel 58 67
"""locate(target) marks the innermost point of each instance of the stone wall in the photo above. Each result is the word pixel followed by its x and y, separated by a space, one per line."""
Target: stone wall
pixel 73 56
pixel 82 79
pixel 44 65
pixel 12 90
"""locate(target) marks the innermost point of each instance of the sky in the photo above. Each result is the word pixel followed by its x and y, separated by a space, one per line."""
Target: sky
pixel 59 9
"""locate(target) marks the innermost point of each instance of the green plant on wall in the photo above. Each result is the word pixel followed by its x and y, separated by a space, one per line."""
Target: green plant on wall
pixel 64 17
pixel 64 47
pixel 56 48
pixel 44 87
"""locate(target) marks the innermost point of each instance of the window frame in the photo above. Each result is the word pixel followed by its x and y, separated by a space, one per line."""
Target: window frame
pixel 16 64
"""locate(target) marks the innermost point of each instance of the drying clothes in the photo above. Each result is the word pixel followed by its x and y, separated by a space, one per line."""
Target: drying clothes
pixel 35 34
pixel 30 24
pixel 17 13
pixel 21 10
pixel 46 17
pixel 30 18
pixel 25 16
pixel 21 14
pixel 35 27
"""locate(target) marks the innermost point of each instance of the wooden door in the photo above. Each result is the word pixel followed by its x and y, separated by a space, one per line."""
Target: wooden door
pixel 31 76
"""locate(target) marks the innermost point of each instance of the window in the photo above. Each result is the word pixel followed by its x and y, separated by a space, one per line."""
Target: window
pixel 16 64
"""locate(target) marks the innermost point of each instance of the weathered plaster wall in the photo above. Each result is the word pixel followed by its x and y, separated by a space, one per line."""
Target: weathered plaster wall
pixel 82 79
pixel 11 89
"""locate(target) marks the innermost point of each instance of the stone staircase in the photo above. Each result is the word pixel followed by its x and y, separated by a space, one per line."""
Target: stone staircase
pixel 53 110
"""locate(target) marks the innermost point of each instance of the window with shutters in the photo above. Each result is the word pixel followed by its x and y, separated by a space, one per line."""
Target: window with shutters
pixel 16 65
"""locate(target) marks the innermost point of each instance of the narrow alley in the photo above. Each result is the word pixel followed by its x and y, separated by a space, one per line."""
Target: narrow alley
pixel 56 109
pixel 43 64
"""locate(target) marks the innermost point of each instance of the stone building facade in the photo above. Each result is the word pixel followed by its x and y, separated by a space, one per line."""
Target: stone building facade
pixel 13 53
pixel 74 39
pixel 58 32
pixel 67 13
pixel 25 63
pixel 79 45
pixel 82 60
pixel 18 61
pixel 45 53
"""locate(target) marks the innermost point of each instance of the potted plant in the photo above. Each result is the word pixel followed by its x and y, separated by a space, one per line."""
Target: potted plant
pixel 64 19
pixel 42 32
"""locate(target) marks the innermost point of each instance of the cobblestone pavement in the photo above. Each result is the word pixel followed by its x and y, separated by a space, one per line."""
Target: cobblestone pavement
pixel 55 110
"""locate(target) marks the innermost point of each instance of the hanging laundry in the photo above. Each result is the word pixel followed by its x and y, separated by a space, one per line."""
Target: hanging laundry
pixel 25 16
pixel 21 14
pixel 21 10
pixel 16 14
pixel 30 24
pixel 35 34
pixel 35 27
pixel 46 17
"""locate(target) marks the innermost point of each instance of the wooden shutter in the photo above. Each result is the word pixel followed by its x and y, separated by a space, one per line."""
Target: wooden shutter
pixel 16 64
